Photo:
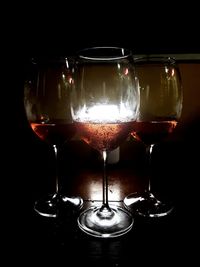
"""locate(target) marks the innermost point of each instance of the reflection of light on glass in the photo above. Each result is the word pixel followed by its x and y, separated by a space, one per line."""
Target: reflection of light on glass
pixel 172 126
pixel 71 81
pixel 167 71
pixel 106 220
pixel 44 119
pixel 126 71
pixel 105 114
pixel 67 63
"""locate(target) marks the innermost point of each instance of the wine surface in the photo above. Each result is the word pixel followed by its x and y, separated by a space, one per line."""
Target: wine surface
pixel 55 132
pixel 151 132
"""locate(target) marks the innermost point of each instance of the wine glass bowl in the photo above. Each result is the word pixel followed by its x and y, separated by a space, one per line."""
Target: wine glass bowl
pixel 47 106
pixel 160 110
pixel 105 101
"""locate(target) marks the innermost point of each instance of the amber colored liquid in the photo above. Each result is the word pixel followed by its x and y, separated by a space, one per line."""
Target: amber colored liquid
pixel 151 132
pixel 55 133
pixel 104 136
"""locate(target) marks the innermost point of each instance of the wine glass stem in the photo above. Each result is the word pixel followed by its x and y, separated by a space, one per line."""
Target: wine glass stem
pixel 105 181
pixel 149 155
pixel 56 159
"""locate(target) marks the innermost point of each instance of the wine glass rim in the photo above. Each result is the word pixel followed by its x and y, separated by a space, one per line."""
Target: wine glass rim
pixel 155 59
pixel 89 53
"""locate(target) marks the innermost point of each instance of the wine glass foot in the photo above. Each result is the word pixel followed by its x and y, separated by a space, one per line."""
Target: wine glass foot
pixel 50 206
pixel 147 205
pixel 47 206
pixel 105 224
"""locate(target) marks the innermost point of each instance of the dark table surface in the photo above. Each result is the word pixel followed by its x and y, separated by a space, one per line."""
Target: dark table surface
pixel 149 241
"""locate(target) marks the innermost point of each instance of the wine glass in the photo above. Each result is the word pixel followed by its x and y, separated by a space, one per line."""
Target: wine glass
pixel 160 109
pixel 47 105
pixel 105 102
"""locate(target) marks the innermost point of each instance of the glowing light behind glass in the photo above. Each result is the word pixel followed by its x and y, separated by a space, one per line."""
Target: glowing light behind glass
pixel 103 113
